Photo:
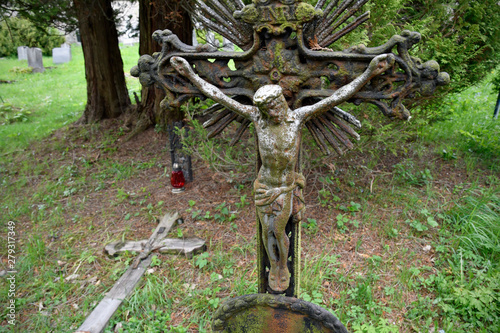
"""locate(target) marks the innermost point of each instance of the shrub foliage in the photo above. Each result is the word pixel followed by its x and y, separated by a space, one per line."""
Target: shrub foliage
pixel 16 32
pixel 462 36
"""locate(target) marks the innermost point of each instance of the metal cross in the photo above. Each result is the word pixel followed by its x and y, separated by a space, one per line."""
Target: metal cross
pixel 284 78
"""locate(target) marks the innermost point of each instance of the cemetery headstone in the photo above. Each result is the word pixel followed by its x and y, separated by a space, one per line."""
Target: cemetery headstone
pixel 195 40
pixel 211 39
pixel 227 45
pixel 61 55
pixel 35 60
pixel 22 53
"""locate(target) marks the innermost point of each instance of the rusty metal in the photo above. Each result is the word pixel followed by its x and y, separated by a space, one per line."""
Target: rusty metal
pixel 273 313
pixel 284 43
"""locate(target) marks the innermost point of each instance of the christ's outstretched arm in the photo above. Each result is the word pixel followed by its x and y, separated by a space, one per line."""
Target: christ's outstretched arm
pixel 377 66
pixel 209 90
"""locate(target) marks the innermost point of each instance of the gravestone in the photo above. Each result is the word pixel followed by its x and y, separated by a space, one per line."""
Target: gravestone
pixel 211 39
pixel 227 45
pixel 22 53
pixel 195 40
pixel 61 55
pixel 35 60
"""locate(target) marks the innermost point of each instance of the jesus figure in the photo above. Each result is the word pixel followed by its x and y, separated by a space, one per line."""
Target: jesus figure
pixel 278 131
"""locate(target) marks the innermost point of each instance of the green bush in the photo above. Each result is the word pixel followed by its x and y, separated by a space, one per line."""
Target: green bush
pixel 16 32
pixel 462 36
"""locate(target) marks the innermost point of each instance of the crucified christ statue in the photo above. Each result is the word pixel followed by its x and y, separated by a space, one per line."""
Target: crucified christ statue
pixel 276 188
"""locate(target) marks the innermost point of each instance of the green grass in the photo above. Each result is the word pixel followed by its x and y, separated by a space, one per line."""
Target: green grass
pixel 470 132
pixel 49 100
pixel 369 217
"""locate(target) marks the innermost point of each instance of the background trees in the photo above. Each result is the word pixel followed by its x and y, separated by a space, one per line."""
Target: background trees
pixel 16 32
pixel 107 94
pixel 463 36
pixel 159 15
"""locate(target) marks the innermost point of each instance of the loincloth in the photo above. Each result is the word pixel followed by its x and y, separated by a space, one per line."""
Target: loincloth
pixel 273 199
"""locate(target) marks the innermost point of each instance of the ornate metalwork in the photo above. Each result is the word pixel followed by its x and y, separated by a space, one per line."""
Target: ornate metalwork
pixel 284 43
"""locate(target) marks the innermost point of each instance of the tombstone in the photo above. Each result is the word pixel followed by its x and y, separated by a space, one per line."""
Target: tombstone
pixel 227 45
pixel 212 40
pixel 35 60
pixel 22 53
pixel 195 40
pixel 71 38
pixel 61 55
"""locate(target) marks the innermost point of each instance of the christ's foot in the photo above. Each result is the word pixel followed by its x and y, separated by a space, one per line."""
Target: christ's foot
pixel 279 279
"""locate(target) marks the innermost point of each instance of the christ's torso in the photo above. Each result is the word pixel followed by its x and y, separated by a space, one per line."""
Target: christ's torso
pixel 279 149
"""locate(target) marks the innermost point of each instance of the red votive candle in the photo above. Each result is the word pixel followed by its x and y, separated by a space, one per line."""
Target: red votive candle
pixel 177 179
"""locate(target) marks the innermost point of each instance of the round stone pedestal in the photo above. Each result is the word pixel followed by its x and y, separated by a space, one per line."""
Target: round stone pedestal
pixel 273 313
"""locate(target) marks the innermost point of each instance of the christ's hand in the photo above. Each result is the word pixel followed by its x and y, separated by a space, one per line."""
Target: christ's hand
pixel 182 66
pixel 381 63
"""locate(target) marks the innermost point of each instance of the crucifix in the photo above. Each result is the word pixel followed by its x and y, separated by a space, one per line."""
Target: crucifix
pixel 285 78
pixel 277 187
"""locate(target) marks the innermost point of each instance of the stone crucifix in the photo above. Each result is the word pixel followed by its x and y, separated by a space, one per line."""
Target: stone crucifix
pixel 276 188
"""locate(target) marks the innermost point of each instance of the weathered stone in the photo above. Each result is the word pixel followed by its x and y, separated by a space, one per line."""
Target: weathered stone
pixel 61 55
pixel 285 43
pixel 278 187
pixel 273 313
pixel 227 45
pixel 35 60
pixel 211 40
pixel 22 53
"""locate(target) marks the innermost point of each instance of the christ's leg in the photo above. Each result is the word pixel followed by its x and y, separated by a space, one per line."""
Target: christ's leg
pixel 283 243
pixel 276 242
pixel 271 246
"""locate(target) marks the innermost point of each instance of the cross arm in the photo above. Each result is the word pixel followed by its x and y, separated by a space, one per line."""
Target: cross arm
pixel 377 66
pixel 209 90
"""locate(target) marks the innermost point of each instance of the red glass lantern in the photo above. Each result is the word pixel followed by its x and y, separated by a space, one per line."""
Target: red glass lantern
pixel 177 179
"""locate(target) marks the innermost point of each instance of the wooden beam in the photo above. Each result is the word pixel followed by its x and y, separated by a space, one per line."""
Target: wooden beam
pixel 96 322
pixel 99 318
pixel 186 246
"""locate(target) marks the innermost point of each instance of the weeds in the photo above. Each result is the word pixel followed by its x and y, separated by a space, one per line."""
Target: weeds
pixel 405 173
pixel 361 260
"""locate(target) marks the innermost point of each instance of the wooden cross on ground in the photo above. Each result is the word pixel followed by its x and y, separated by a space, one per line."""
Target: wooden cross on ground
pixel 99 318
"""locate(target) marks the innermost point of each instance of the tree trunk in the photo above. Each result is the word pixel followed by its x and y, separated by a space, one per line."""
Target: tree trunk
pixel 107 94
pixel 160 15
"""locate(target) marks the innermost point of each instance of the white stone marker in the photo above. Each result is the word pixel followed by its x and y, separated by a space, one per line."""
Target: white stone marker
pixel 61 55
pixel 22 53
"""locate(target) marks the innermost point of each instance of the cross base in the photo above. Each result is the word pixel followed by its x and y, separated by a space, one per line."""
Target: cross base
pixel 273 313
pixel 293 230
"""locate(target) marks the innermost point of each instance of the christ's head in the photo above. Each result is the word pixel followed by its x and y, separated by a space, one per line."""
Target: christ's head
pixel 271 102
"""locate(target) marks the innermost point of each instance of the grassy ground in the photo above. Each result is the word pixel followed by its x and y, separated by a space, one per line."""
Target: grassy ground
pixel 402 233
pixel 46 101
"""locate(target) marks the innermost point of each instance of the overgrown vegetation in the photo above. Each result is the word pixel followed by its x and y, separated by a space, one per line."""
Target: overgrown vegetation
pixel 401 234
pixel 462 36
pixel 16 32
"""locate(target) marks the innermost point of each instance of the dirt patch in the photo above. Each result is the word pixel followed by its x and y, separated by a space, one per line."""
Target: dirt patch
pixel 84 187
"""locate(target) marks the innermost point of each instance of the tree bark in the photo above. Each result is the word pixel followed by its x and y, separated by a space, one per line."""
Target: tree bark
pixel 107 94
pixel 160 15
